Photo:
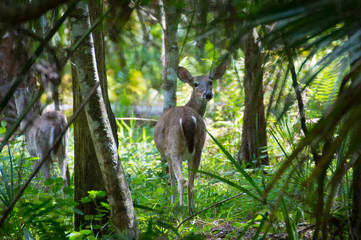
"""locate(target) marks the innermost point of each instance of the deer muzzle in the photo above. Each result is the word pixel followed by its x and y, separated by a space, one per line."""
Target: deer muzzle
pixel 208 95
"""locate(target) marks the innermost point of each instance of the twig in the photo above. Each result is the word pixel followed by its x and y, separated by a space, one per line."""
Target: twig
pixel 212 206
pixel 150 15
pixel 299 98
pixel 57 140
pixel 137 119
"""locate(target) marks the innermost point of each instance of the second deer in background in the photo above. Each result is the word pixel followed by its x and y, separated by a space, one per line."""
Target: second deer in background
pixel 180 132
pixel 41 130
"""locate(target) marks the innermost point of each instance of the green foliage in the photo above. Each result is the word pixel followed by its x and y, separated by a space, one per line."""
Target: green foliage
pixel 91 231
pixel 257 202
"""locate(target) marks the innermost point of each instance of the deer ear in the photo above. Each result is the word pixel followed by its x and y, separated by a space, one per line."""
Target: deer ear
pixel 184 75
pixel 218 71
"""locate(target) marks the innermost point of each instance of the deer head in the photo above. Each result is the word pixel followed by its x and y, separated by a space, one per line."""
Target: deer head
pixel 202 86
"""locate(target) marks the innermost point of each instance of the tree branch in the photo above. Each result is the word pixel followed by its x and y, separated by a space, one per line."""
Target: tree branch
pixel 25 12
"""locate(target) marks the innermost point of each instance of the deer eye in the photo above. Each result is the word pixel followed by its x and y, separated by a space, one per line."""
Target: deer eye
pixel 196 84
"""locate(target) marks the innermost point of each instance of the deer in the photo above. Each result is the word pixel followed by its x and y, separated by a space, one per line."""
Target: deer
pixel 180 132
pixel 41 130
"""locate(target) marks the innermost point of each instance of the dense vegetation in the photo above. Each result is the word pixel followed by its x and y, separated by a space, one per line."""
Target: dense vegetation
pixel 309 187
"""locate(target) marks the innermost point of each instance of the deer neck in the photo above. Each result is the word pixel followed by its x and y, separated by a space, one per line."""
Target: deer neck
pixel 197 104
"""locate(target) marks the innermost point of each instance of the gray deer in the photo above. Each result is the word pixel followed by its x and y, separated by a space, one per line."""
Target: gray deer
pixel 41 130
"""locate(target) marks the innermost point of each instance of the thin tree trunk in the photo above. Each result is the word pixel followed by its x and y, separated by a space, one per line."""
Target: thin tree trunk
pixel 170 52
pixel 170 56
pixel 254 123
pixel 104 143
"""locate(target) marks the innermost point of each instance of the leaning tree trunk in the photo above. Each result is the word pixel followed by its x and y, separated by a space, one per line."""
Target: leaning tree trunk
pixel 95 10
pixel 117 189
pixel 254 136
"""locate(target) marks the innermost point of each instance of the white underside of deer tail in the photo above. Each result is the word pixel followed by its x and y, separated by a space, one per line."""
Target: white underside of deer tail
pixel 51 141
pixel 195 120
pixel 63 138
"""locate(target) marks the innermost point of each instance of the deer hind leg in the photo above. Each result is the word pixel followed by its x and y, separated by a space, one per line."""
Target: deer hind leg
pixel 193 163
pixel 46 168
pixel 64 170
pixel 62 160
pixel 177 169
pixel 172 180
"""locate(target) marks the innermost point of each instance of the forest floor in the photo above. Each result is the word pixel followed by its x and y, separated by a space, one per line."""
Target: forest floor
pixel 225 230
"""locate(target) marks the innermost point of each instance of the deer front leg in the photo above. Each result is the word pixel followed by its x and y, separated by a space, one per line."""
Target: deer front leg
pixel 172 180
pixel 177 168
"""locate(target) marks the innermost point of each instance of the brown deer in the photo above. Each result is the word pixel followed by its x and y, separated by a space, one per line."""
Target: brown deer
pixel 41 130
pixel 180 133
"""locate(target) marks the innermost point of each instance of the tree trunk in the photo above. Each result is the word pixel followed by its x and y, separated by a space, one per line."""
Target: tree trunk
pixel 254 138
pixel 87 174
pixel 170 52
pixel 13 56
pixel 170 56
pixel 95 10
pixel 102 137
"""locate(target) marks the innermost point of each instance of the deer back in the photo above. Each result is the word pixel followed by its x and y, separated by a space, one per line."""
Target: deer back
pixel 41 130
pixel 49 127
pixel 179 130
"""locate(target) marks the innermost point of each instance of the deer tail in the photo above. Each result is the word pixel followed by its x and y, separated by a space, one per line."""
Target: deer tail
pixel 189 127
pixel 54 133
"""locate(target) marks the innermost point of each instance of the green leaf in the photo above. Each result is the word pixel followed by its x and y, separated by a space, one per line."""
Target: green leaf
pixel 77 211
pixel 106 205
pixel 88 217
pixel 249 193
pixel 160 190
pixel 68 190
pixel 85 199
pixel 94 194
pixel 86 232
pixel 235 163
pixel 49 181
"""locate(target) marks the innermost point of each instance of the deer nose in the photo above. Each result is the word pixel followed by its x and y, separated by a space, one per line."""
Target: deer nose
pixel 208 95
